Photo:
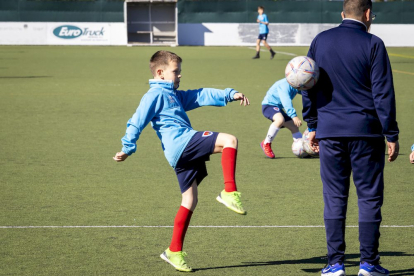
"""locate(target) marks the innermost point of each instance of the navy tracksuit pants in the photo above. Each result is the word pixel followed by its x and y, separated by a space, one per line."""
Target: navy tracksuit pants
pixel 365 158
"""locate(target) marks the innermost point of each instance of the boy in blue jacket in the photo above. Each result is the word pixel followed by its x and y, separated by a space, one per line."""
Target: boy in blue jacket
pixel 264 31
pixel 185 149
pixel 277 107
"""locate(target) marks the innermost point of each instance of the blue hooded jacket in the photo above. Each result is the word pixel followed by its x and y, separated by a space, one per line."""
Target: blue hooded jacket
pixel 165 108
pixel 281 95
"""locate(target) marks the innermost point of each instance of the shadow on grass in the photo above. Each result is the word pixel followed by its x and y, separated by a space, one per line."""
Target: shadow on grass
pixel 322 260
pixel 25 77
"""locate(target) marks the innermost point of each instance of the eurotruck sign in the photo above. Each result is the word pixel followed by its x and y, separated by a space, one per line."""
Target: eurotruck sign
pixel 63 33
pixel 80 32
pixel 72 32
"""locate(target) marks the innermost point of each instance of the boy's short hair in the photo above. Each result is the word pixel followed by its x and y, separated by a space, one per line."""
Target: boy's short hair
pixel 260 7
pixel 162 58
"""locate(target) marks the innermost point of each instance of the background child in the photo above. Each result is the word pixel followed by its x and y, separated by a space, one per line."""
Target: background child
pixel 280 97
pixel 264 31
pixel 412 154
pixel 185 149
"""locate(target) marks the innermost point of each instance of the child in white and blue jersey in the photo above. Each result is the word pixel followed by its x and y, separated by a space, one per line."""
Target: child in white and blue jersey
pixel 185 149
pixel 412 154
pixel 277 107
pixel 263 33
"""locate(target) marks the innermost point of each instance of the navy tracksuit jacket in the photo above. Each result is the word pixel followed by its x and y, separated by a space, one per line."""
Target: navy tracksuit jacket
pixel 352 108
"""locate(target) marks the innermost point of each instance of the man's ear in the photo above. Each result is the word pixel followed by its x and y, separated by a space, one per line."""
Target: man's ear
pixel 343 15
pixel 367 15
pixel 160 73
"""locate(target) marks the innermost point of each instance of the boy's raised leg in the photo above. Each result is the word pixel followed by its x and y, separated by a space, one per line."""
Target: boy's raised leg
pixel 230 197
pixel 174 254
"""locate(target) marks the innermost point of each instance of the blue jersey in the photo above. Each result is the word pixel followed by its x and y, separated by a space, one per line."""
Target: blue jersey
pixel 165 108
pixel 281 95
pixel 263 28
pixel 412 147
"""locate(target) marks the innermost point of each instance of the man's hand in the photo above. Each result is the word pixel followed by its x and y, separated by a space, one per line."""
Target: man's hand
pixel 120 156
pixel 393 149
pixel 297 121
pixel 243 100
pixel 412 157
pixel 313 142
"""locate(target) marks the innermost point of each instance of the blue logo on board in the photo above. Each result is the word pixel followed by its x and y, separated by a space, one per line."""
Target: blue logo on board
pixel 67 32
pixel 70 32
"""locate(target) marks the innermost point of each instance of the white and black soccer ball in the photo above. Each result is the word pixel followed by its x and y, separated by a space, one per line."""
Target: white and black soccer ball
pixel 306 145
pixel 297 148
pixel 302 73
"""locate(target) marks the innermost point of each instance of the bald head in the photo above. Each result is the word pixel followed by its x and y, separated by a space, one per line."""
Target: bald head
pixel 356 8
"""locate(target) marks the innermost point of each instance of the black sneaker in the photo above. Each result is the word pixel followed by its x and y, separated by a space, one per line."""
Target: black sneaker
pixel 272 54
pixel 256 57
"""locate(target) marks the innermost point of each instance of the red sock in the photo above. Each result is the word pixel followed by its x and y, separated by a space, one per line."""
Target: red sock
pixel 181 222
pixel 228 162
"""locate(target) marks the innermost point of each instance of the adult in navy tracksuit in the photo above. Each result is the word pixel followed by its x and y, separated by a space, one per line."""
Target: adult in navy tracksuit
pixel 350 110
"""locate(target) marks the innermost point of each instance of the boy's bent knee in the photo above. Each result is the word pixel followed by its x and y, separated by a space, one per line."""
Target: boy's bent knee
pixel 231 142
pixel 189 203
pixel 225 141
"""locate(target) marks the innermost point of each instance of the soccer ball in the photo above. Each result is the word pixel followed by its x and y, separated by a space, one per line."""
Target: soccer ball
pixel 302 73
pixel 306 145
pixel 297 148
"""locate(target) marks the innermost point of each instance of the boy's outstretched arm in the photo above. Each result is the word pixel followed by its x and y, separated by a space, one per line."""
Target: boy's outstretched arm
pixel 193 99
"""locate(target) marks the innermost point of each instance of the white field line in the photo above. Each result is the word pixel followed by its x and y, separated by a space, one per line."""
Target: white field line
pixel 277 52
pixel 196 226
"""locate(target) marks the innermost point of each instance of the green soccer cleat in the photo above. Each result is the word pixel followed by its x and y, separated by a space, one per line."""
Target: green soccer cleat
pixel 232 201
pixel 176 259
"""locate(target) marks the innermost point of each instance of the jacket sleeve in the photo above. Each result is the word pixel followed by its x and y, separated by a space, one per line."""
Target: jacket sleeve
pixel 383 90
pixel 192 99
pixel 309 111
pixel 148 107
pixel 287 103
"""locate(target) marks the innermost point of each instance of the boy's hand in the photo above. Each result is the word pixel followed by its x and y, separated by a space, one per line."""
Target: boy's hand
pixel 120 156
pixel 297 121
pixel 393 149
pixel 313 142
pixel 243 99
pixel 412 157
pixel 258 21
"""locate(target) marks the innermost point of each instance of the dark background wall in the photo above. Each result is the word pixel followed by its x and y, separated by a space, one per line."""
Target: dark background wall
pixel 245 11
pixel 62 10
pixel 201 11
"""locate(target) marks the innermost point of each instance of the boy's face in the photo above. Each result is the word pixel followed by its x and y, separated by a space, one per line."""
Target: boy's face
pixel 171 72
pixel 260 11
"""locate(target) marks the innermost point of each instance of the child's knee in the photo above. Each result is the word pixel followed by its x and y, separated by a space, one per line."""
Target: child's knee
pixel 189 202
pixel 278 121
pixel 232 141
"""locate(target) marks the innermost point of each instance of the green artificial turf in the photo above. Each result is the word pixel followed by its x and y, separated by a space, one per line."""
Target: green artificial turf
pixel 63 111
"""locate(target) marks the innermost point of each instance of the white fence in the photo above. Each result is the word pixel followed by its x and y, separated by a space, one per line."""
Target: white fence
pixel 61 33
pixel 287 34
pixel 203 34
